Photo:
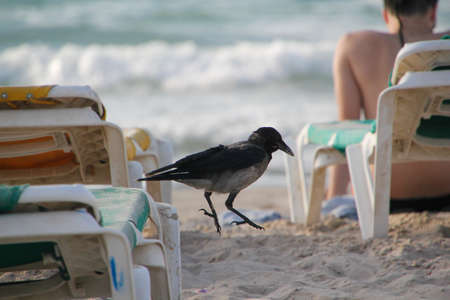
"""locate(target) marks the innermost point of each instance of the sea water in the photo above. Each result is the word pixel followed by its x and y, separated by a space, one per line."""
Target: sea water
pixel 196 72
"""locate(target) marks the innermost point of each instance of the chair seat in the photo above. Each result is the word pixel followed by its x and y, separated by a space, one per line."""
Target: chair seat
pixel 340 134
pixel 123 209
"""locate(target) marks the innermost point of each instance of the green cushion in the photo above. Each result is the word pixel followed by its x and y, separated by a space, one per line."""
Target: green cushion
pixel 9 196
pixel 344 133
pixel 437 127
pixel 24 253
pixel 122 207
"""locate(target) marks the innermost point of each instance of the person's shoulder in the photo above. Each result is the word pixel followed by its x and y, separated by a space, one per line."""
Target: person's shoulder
pixel 365 39
pixel 358 46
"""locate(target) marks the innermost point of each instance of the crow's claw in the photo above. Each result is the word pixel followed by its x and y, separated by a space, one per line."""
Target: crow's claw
pixel 216 221
pixel 206 213
pixel 249 223
pixel 219 229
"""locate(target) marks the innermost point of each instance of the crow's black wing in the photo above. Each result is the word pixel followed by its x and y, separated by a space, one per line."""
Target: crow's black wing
pixel 190 159
pixel 233 157
pixel 214 160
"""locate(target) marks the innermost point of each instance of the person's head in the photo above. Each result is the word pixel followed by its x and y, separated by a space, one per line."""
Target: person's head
pixel 396 12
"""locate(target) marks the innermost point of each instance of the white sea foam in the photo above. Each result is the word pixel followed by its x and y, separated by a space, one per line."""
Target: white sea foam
pixel 197 97
pixel 168 66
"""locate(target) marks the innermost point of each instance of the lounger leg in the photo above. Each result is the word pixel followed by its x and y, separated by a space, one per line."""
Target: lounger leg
pixel 323 158
pixel 382 189
pixel 383 164
pixel 150 254
pixel 135 171
pixel 120 268
pixel 149 162
pixel 316 196
pixel 142 282
pixel 165 150
pixel 171 238
pixel 297 189
pixel 296 205
pixel 362 186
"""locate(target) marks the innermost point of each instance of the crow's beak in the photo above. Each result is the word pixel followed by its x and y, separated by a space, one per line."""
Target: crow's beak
pixel 285 148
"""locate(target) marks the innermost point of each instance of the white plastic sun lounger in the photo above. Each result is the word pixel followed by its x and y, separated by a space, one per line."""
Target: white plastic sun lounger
pixel 332 138
pixel 59 137
pixel 64 150
pixel 85 242
pixel 413 124
pixel 306 200
pixel 151 153
pixel 51 135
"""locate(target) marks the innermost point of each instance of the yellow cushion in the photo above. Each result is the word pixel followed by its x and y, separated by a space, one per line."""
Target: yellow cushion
pixel 131 149
pixel 36 94
pixel 47 159
pixel 140 136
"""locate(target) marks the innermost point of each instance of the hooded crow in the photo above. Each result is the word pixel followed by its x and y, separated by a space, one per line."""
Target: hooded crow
pixel 225 169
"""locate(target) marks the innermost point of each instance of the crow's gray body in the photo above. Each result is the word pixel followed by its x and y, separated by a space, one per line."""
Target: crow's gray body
pixel 235 176
pixel 225 169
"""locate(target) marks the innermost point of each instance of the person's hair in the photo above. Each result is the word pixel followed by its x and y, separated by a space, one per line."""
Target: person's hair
pixel 408 7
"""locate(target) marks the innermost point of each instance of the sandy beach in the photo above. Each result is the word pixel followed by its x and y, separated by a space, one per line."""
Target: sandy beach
pixel 327 261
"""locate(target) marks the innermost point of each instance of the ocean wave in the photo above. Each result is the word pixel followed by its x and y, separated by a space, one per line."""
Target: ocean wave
pixel 166 66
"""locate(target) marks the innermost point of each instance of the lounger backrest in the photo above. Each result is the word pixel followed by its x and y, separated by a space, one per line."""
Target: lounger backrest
pixel 421 115
pixel 421 57
pixel 49 97
pixel 46 146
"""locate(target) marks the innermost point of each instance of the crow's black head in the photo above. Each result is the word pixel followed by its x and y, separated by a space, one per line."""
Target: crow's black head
pixel 270 139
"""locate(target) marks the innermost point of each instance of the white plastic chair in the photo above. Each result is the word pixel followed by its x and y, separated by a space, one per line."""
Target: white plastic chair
pixel 306 200
pixel 152 153
pixel 405 114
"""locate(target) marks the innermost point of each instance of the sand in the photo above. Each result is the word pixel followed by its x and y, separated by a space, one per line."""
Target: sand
pixel 327 261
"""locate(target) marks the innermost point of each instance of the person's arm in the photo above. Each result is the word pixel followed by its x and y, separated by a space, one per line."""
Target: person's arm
pixel 346 87
pixel 348 98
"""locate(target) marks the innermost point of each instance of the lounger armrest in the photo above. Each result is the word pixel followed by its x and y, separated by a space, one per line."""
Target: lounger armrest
pixel 58 197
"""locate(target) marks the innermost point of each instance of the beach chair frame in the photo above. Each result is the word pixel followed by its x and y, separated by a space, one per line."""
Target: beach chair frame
pixel 152 153
pixel 305 200
pixel 418 96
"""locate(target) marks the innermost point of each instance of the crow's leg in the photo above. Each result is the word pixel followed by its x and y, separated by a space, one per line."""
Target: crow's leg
pixel 208 199
pixel 213 213
pixel 229 205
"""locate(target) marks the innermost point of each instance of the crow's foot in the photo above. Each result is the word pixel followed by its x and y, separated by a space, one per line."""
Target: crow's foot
pixel 249 223
pixel 207 213
pixel 214 216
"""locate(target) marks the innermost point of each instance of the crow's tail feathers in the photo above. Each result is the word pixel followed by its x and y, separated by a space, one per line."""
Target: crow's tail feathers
pixel 168 167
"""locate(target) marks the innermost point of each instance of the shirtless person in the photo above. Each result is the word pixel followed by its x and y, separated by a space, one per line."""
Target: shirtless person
pixel 362 64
